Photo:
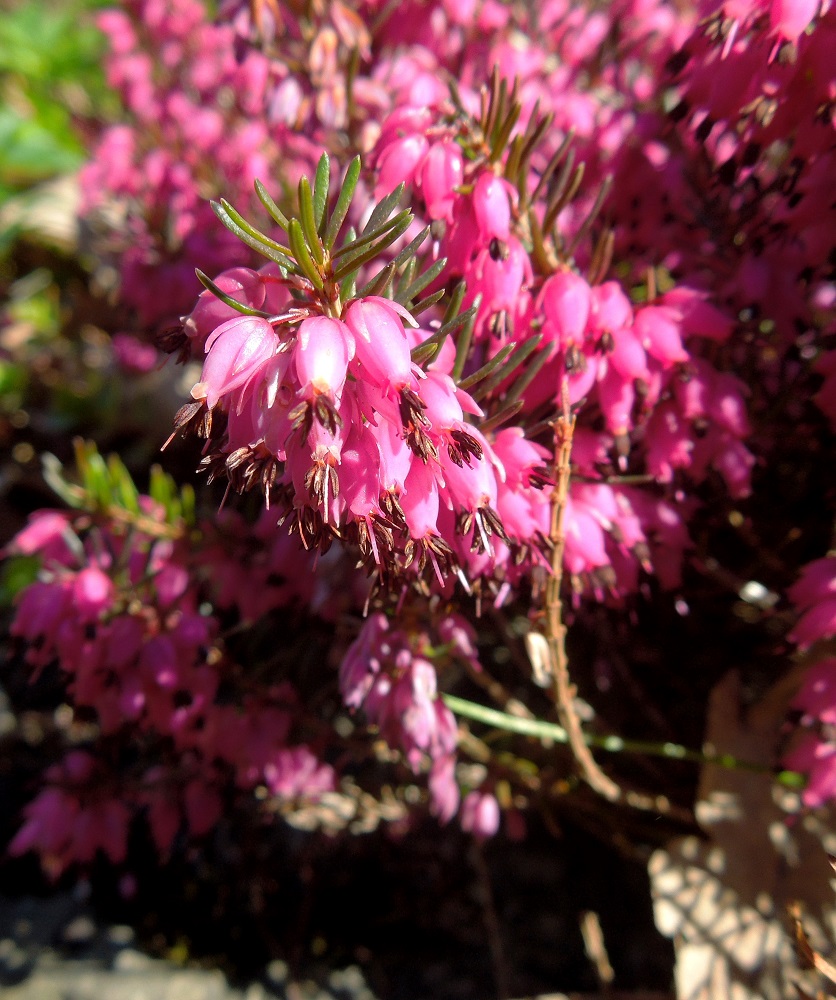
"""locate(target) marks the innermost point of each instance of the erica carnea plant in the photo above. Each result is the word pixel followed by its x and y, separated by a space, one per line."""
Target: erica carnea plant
pixel 499 304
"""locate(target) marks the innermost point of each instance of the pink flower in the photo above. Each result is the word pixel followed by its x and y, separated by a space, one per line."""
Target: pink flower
pixel 399 162
pixel 658 331
pixel 817 582
pixel 93 593
pixel 492 206
pixel 235 353
pixel 817 697
pixel 442 171
pixel 324 347
pixel 444 790
pixel 383 352
pixel 817 623
pixel 44 534
pixel 566 301
pixel 790 18
pixel 480 814
pixel 816 759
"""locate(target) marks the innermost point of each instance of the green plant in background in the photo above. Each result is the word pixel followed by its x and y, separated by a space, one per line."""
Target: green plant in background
pixel 51 84
pixel 52 96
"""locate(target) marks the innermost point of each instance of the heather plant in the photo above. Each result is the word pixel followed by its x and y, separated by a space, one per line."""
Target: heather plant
pixel 505 314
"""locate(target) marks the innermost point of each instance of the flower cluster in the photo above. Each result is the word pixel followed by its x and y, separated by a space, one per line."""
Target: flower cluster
pixel 198 126
pixel 120 613
pixel 611 291
pixel 389 674
pixel 814 596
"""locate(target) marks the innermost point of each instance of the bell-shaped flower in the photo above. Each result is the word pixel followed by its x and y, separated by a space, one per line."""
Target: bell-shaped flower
pixel 324 347
pixel 383 352
pixel 472 488
pixel 443 788
pixel 585 540
pixel 817 759
pixel 627 356
pixel 565 300
pixel 658 330
pixel 240 283
pixel 360 474
pixel 499 273
pixel 398 163
pixel 395 456
pixel 698 318
pixel 441 173
pixel 610 308
pixel 234 354
pixel 480 814
pixel 93 593
pixel 45 533
pixel 790 18
pixel 492 207
pixel 519 456
pixel 362 660
pixel 817 581
pixel 420 500
pixel 616 397
pixel 817 697
pixel 669 443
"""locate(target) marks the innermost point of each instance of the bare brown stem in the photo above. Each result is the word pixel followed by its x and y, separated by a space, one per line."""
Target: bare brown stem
pixel 564 691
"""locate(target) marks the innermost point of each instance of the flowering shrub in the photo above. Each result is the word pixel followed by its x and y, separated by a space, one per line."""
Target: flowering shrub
pixel 611 289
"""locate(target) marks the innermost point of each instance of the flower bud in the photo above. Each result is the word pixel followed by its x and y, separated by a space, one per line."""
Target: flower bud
pixel 441 173
pixel 324 347
pixel 492 207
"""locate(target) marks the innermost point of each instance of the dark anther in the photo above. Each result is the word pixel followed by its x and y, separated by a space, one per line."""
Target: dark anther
pixel 498 250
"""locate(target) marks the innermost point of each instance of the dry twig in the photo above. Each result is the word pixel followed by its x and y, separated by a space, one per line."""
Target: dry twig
pixel 564 429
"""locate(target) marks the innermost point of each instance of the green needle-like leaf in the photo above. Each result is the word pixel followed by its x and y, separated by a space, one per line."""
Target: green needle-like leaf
pixel 558 201
pixel 552 165
pixel 487 369
pixel 500 140
pixel 384 208
pixel 424 279
pixel 307 219
pixel 380 283
pixel 123 486
pixel 586 225
pixel 460 319
pixel 227 299
pixel 465 337
pixel 252 237
pixel 303 255
pixel 322 182
pixel 354 261
pixel 525 378
pixel 492 379
pixel 505 414
pixel 613 744
pixel 455 303
pixel 276 214
pixel 352 175
pixel 409 251
pixel 369 237
pixel 429 348
pixel 423 304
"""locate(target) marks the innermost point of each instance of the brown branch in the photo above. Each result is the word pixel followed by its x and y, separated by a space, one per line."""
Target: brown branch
pixel 564 691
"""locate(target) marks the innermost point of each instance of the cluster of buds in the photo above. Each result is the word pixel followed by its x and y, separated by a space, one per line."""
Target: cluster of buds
pixel 120 612
pixel 390 673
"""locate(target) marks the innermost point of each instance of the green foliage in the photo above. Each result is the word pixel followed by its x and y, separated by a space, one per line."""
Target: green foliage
pixel 15 575
pixel 105 486
pixel 50 79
